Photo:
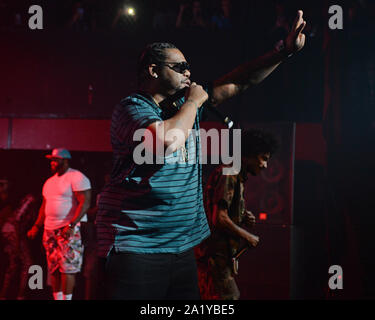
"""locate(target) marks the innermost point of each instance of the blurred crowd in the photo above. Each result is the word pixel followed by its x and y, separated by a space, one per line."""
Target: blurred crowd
pixel 221 15
pixel 270 17
pixel 262 18
pixel 92 15
pixel 85 15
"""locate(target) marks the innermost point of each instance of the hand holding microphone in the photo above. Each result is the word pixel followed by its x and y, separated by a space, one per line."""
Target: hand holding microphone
pixel 196 94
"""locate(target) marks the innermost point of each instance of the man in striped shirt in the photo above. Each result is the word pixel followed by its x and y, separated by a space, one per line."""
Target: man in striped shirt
pixel 151 215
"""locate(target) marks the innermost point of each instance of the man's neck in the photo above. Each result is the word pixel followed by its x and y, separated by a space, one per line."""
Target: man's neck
pixel 158 97
pixel 62 171
pixel 154 93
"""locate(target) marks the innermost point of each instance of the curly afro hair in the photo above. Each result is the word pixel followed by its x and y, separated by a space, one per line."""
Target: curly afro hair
pixel 255 142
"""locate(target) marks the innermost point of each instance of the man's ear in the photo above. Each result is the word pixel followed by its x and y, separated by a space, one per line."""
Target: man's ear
pixel 152 71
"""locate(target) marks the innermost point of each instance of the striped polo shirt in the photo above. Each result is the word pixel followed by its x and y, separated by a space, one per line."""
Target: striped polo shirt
pixel 150 208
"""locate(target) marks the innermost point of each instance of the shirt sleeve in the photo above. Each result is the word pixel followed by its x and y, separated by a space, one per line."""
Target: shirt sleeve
pixel 129 116
pixel 223 190
pixel 80 182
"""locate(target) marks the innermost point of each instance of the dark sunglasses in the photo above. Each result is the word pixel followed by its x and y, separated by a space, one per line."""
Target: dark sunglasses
pixel 179 67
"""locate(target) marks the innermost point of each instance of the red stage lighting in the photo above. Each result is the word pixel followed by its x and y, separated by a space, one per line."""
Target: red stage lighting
pixel 263 216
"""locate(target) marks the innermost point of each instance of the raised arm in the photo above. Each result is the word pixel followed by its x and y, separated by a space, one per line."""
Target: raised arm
pixel 172 133
pixel 255 71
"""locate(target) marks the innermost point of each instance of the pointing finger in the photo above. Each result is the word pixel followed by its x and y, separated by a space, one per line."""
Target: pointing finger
pixel 301 27
pixel 297 22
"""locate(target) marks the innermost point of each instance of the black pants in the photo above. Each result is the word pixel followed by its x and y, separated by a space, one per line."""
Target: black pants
pixel 152 276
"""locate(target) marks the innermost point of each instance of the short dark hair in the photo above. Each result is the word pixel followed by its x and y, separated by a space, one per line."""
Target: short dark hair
pixel 255 142
pixel 152 53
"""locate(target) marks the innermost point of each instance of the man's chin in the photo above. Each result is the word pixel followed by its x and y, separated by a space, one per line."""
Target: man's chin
pixel 182 86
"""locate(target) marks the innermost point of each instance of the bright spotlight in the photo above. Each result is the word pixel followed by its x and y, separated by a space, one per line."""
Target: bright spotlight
pixel 130 11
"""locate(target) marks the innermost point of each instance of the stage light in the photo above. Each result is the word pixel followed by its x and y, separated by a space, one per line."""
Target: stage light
pixel 262 216
pixel 130 11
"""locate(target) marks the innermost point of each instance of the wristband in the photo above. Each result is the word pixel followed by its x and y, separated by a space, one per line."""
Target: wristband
pixel 280 47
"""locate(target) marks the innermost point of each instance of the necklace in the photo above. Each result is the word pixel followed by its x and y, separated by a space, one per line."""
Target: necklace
pixel 184 154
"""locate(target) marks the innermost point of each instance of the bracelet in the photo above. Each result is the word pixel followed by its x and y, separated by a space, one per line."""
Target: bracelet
pixel 280 47
pixel 191 100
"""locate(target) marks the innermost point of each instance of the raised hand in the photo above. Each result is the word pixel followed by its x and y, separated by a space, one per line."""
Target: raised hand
pixel 296 39
pixel 249 219
pixel 196 93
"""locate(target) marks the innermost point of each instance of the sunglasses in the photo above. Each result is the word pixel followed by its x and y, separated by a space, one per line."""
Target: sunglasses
pixel 179 67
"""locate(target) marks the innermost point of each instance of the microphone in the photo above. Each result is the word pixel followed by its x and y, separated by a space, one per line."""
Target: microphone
pixel 171 100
